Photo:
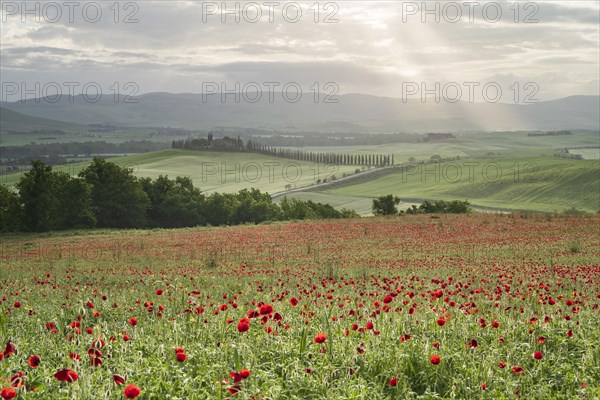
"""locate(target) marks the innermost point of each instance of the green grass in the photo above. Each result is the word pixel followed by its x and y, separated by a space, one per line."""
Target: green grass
pixel 215 171
pixel 541 184
pixel 588 153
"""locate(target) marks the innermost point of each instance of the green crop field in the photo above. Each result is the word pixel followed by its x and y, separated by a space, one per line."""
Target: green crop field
pixel 221 171
pixel 474 145
pixel 540 184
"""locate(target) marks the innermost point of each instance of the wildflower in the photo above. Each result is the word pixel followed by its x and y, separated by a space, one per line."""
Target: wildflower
pixel 66 375
pixel 320 338
pixel 34 361
pixel 132 391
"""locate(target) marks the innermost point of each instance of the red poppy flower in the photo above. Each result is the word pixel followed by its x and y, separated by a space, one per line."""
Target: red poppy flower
pixel 245 373
pixel 8 393
pixel 233 390
pixel 17 304
pixel 495 324
pixel 34 361
pixel 132 391
pixel 435 359
pixel 237 377
pixel 473 344
pixel 294 301
pixel 18 379
pixel 518 370
pixel 441 322
pixel 10 349
pixel 483 386
pixel 180 356
pixel 501 364
pixel 75 356
pixel 133 321
pixel 118 379
pixel 387 300
pixel 538 355
pixel 66 375
pixel 159 292
pixel 266 309
pixel 320 338
pixel 243 325
pixel 92 352
pixel 95 361
pixel 179 350
pixel 393 382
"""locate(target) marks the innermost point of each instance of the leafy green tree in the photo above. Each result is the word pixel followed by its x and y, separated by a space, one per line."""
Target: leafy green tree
pixel 429 208
pixel 174 203
pixel 218 209
pixel 253 206
pixel 37 193
pixel 386 205
pixel 53 200
pixel 458 207
pixel 74 205
pixel 347 213
pixel 294 209
pixel 10 210
pixel 117 196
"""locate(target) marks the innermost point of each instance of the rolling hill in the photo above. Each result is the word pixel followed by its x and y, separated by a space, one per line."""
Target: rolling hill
pixel 352 113
pixel 17 122
pixel 533 183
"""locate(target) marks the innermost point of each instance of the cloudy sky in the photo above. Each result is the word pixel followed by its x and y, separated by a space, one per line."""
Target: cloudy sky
pixel 375 47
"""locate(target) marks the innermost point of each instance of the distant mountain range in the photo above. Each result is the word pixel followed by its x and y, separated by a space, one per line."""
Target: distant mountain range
pixel 351 113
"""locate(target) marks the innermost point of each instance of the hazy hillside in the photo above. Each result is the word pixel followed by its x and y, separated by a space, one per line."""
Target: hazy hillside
pixel 353 112
pixel 14 121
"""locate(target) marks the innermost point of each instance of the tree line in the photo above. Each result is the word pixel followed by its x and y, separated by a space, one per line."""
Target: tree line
pixel 379 160
pixel 106 195
pixel 231 144
pixel 59 153
pixel 387 205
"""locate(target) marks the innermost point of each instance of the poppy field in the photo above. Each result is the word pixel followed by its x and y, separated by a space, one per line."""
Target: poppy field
pixel 482 306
